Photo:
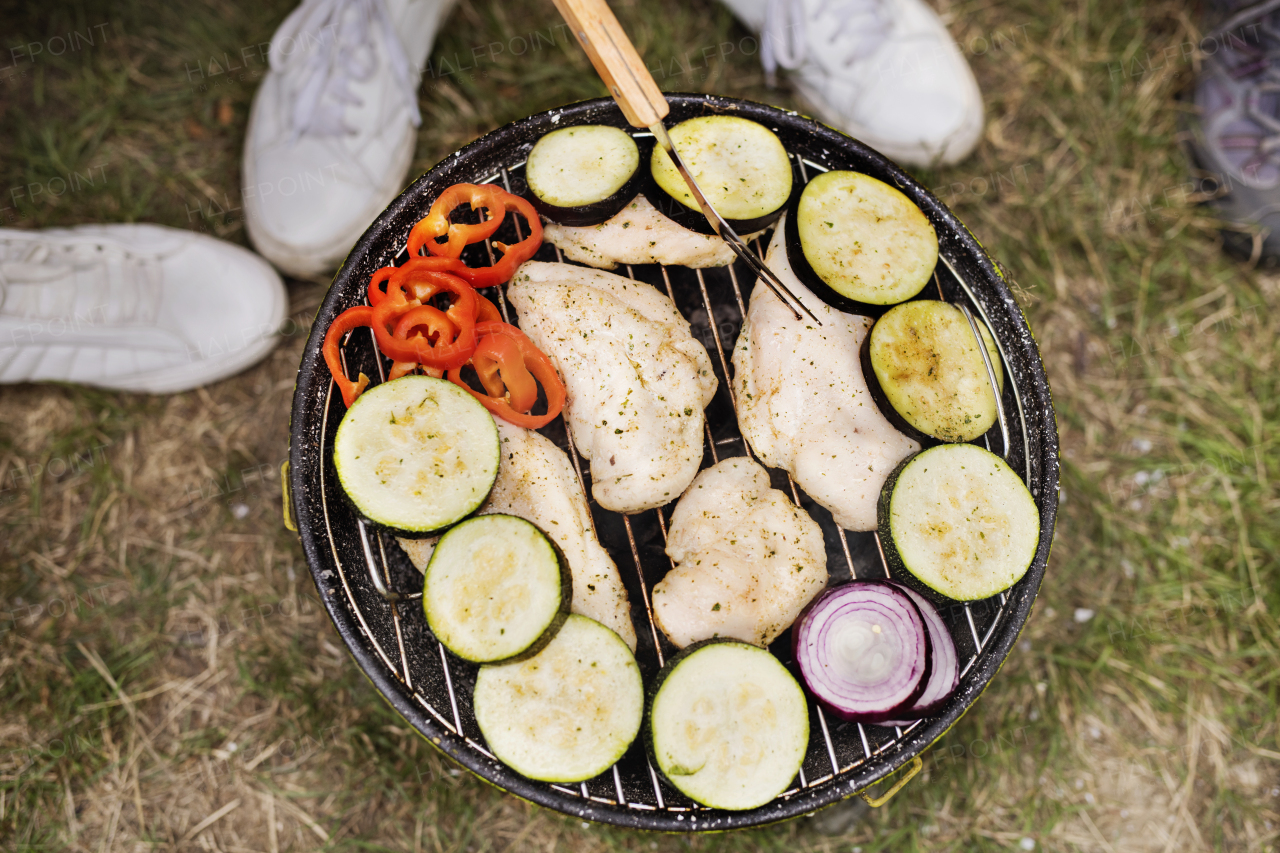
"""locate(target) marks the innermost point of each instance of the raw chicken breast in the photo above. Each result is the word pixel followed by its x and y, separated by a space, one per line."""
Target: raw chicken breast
pixel 639 234
pixel 536 482
pixel 747 559
pixel 803 403
pixel 637 380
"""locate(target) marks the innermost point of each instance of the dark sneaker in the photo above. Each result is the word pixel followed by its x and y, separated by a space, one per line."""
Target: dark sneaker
pixel 1236 141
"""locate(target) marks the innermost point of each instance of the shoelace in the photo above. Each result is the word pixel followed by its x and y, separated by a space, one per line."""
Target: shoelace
pixel 344 51
pixel 785 38
pixel 82 280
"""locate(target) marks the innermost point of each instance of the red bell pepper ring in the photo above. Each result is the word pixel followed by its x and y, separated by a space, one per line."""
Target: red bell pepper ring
pixel 440 330
pixel 512 256
pixel 379 278
pixel 436 223
pixel 421 278
pixel 382 276
pixel 393 338
pixel 502 371
pixel 486 312
pixel 517 363
pixel 417 282
pixel 352 318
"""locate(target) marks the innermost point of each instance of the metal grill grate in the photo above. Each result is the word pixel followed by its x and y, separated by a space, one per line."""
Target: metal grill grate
pixel 379 571
pixel 360 571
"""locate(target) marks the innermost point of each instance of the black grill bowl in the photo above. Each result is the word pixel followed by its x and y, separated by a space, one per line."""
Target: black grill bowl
pixel 432 691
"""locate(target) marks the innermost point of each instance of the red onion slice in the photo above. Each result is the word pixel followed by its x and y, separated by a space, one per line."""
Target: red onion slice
pixel 863 650
pixel 945 674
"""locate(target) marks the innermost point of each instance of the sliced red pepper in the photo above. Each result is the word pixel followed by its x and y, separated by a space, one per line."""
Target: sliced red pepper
pixel 382 276
pixel 486 312
pixel 395 304
pixel 352 318
pixel 521 364
pixel 502 371
pixel 404 368
pixel 439 329
pixel 512 256
pixel 436 223
pixel 419 280
pixel 510 366
pixel 379 278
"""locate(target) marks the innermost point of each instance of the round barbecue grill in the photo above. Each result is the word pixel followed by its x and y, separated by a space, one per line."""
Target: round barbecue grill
pixel 372 591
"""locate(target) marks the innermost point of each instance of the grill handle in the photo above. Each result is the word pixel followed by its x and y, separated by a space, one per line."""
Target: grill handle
pixel 616 60
pixel 876 802
pixel 286 499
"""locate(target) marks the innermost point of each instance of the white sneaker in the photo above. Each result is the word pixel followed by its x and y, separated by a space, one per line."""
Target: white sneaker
pixel 331 132
pixel 133 307
pixel 884 71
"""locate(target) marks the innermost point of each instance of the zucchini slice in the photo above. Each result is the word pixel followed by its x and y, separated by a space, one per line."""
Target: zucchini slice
pixel 416 454
pixel 728 724
pixel 568 713
pixel 956 521
pixel 926 373
pixel 860 244
pixel 496 588
pixel 583 175
pixel 739 165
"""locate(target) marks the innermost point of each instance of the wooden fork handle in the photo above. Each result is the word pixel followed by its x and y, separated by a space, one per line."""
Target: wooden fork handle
pixel 615 60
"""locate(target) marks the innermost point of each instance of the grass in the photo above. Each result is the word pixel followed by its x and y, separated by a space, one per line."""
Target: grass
pixel 168 680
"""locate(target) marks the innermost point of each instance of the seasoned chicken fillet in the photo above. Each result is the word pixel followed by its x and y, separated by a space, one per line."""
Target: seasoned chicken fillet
pixel 536 482
pixel 638 234
pixel 804 405
pixel 637 381
pixel 747 559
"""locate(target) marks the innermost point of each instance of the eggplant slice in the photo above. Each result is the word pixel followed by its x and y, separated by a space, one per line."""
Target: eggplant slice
pixel 860 244
pixel 740 165
pixel 927 375
pixel 583 175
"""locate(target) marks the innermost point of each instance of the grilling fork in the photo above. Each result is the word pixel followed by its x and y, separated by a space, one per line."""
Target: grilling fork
pixel 643 104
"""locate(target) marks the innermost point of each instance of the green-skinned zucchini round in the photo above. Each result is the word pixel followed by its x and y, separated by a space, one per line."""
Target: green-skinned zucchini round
pixel 728 725
pixel 925 372
pixel 957 523
pixel 740 166
pixel 859 244
pixel 569 712
pixel 416 455
pixel 583 175
pixel 497 588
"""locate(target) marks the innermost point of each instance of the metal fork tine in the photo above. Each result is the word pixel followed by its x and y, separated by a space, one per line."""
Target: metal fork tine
pixel 775 284
pixel 727 233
